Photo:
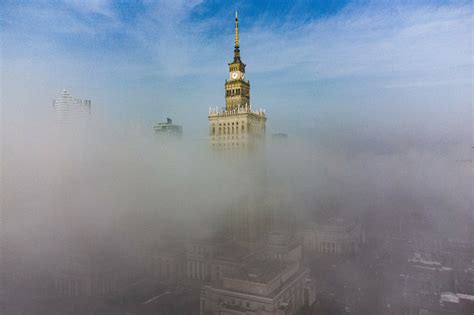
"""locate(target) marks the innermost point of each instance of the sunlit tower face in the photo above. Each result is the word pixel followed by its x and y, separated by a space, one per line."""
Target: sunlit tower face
pixel 237 89
pixel 238 126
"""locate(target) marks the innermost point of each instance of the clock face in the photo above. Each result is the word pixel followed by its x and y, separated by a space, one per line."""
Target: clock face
pixel 234 75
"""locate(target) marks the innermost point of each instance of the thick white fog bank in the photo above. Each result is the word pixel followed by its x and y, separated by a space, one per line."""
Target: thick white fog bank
pixel 437 185
pixel 122 182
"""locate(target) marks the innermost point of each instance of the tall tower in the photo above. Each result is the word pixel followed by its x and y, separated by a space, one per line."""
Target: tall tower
pixel 239 131
pixel 237 126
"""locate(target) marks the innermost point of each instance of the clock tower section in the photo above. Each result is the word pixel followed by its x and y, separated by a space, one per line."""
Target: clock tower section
pixel 237 127
pixel 237 89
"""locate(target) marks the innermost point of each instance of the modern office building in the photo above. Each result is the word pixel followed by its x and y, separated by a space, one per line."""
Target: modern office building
pixel 68 109
pixel 168 129
pixel 280 138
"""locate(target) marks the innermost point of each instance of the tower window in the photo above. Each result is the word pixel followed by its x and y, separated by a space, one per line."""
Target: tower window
pixel 238 91
pixel 213 130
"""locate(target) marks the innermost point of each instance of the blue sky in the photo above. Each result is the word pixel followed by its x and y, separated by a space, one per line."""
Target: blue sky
pixel 360 72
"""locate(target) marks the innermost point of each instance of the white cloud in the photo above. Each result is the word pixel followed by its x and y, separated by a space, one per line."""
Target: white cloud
pixel 372 41
pixel 360 43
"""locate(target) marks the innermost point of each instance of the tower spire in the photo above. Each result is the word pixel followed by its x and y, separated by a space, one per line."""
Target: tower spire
pixel 236 47
pixel 236 30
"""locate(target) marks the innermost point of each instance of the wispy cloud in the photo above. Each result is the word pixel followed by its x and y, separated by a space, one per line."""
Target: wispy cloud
pixel 361 41
pixel 401 42
pixel 100 7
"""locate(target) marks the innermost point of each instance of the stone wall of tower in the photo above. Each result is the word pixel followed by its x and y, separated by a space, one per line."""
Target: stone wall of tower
pixel 236 131
pixel 237 94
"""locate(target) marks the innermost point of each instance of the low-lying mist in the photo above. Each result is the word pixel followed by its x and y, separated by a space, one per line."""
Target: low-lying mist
pixel 108 191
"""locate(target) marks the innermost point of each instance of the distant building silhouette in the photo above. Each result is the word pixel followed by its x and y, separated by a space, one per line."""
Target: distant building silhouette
pixel 70 109
pixel 335 237
pixel 279 138
pixel 168 129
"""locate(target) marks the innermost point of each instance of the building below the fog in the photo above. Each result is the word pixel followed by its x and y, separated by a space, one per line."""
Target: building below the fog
pixel 280 138
pixel 249 268
pixel 451 303
pixel 168 129
pixel 266 286
pixel 208 260
pixel 268 279
pixel 69 109
pixel 86 275
pixel 334 237
pixel 167 263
